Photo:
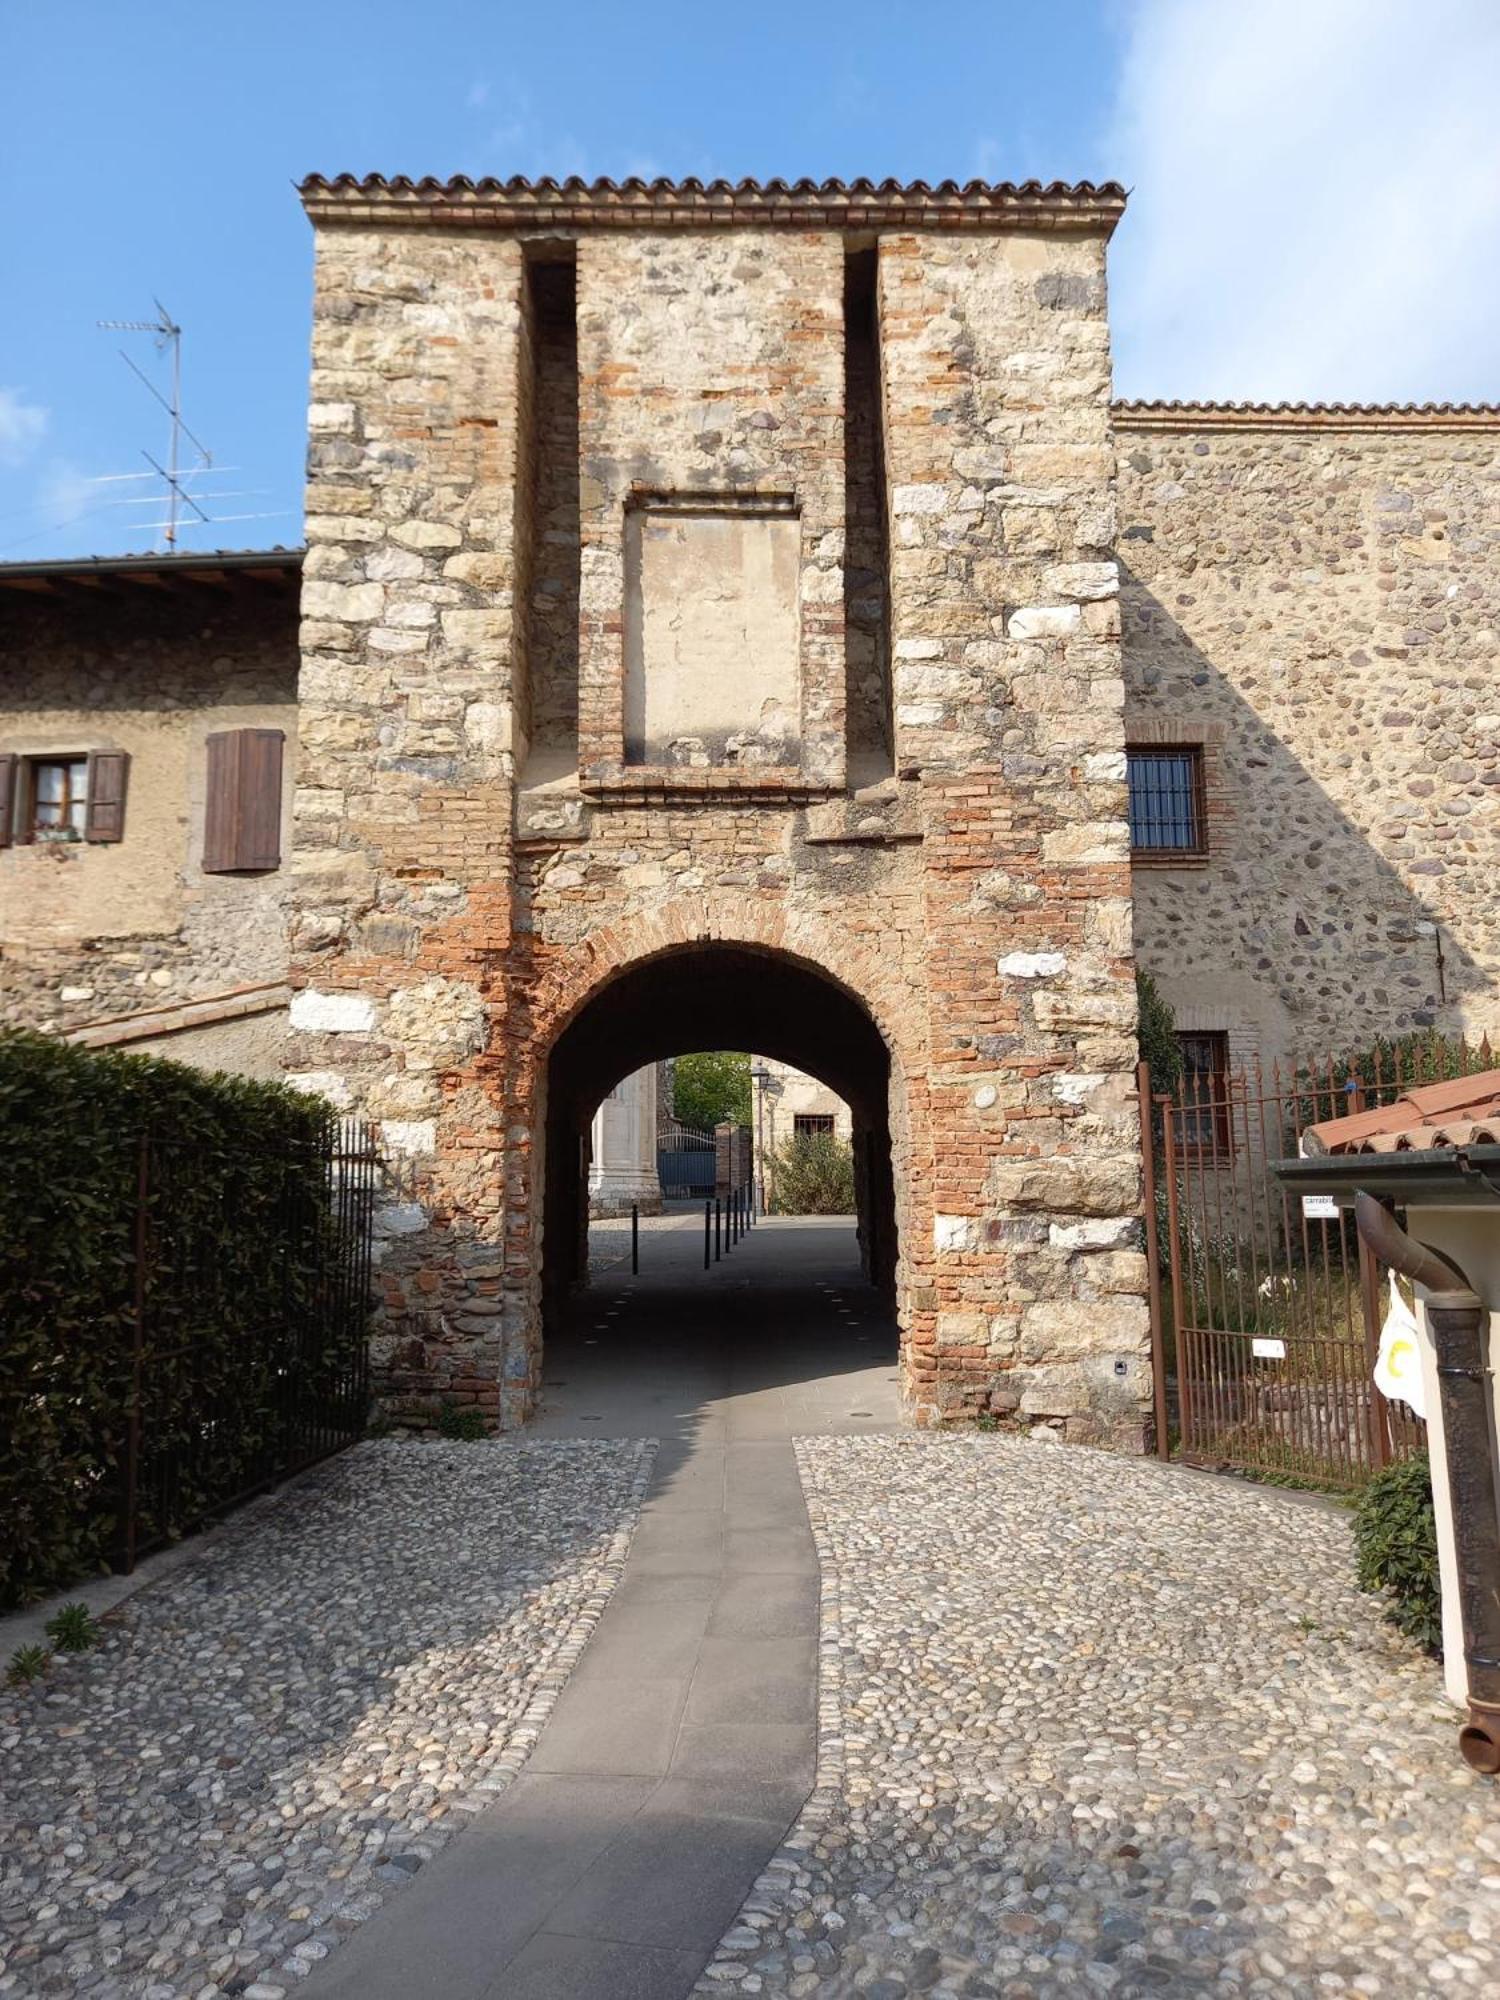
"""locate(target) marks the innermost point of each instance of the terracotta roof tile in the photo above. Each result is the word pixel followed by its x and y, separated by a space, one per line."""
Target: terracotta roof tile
pixel 690 203
pixel 1465 1111
pixel 1306 416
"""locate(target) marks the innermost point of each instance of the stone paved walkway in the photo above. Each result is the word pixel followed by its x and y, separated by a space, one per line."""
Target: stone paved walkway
pixel 1094 1726
pixel 684 1745
pixel 284 1731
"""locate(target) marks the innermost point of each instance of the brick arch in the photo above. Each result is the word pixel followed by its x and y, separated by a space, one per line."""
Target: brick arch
pixel 570 977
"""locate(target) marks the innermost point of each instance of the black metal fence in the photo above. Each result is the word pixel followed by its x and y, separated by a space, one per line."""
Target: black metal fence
pixel 229 1389
pixel 685 1160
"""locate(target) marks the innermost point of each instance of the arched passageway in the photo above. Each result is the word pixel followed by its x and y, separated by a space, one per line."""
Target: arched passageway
pixel 716 996
pixel 708 996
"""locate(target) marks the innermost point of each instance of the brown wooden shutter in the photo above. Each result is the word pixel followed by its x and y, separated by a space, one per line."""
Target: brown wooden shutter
pixel 104 815
pixel 242 823
pixel 7 799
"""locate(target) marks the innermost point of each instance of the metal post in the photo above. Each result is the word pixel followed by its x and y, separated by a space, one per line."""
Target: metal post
pixel 635 1239
pixel 1174 1249
pixel 718 1231
pixel 1153 1267
pixel 137 1351
pixel 708 1233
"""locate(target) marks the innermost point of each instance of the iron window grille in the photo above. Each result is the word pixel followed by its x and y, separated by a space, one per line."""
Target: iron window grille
pixel 1168 808
pixel 1202 1123
pixel 812 1125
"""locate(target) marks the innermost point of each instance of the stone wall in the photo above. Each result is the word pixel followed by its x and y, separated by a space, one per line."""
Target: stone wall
pixel 1008 702
pixel 976 903
pixel 711 417
pixel 1316 599
pixel 89 931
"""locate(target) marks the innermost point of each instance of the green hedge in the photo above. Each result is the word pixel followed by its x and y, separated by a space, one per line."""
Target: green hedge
pixel 237 1224
pixel 1395 1537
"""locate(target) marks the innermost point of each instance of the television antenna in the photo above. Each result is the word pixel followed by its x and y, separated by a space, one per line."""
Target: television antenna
pixel 168 337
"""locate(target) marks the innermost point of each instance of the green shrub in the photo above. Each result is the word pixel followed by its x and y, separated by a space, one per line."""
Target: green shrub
pixel 814 1175
pixel 1395 1538
pixel 462 1420
pixel 73 1629
pixel 1156 1036
pixel 238 1222
pixel 26 1664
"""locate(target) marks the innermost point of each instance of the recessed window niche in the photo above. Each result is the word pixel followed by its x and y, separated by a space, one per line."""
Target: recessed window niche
pixel 712 630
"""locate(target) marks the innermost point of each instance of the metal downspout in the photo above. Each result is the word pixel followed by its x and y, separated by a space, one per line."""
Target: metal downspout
pixel 1458 1320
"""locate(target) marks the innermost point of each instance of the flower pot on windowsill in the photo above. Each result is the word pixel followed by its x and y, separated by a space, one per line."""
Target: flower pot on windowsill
pixel 56 836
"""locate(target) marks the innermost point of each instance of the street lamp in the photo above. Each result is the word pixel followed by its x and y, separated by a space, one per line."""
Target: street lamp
pixel 760 1076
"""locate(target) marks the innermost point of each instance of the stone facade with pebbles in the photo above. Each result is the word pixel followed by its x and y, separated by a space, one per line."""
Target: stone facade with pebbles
pixel 1314 597
pixel 458 899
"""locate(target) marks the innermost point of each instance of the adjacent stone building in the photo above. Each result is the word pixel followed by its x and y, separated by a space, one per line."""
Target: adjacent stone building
pixel 712 608
pixel 143 894
pixel 1311 604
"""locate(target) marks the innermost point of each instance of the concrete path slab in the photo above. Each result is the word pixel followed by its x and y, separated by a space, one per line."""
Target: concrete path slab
pixel 684 1744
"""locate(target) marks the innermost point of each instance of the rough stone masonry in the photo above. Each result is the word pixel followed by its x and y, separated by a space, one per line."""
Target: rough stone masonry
pixel 503 803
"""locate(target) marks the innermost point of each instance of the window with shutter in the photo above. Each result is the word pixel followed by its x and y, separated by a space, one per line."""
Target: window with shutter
pixel 7 799
pixel 242 822
pixel 104 799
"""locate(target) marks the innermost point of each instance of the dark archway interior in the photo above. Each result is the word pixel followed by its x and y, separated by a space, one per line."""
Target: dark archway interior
pixel 715 996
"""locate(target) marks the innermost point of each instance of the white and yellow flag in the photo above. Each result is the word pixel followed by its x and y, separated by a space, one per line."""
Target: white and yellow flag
pixel 1398 1366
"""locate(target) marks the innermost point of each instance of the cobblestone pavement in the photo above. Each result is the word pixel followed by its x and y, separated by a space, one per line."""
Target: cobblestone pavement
pixel 1091 1725
pixel 609 1236
pixel 277 1734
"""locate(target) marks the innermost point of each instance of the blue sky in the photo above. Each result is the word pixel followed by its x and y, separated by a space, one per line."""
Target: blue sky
pixel 1315 187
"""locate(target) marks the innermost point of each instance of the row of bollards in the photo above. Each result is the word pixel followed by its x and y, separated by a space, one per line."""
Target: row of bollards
pixel 725 1221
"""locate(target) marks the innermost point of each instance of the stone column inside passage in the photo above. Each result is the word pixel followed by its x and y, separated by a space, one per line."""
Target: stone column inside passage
pixel 622 1164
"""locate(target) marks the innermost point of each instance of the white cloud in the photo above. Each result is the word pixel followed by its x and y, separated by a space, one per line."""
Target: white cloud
pixel 1315 200
pixel 22 426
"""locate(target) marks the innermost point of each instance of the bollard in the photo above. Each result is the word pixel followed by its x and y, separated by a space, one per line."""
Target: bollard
pixel 635 1239
pixel 718 1231
pixel 708 1231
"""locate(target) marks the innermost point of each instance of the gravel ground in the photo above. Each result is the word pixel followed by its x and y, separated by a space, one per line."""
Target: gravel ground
pixel 275 1736
pixel 1089 1725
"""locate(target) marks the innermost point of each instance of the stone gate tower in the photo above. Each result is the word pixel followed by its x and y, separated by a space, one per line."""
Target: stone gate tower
pixel 711 639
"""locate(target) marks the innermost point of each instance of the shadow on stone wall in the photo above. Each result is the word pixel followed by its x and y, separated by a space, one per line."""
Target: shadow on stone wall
pixel 1299 932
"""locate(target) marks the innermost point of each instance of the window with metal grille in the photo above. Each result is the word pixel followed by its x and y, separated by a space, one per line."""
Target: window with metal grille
pixel 812 1124
pixel 1166 801
pixel 1203 1120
